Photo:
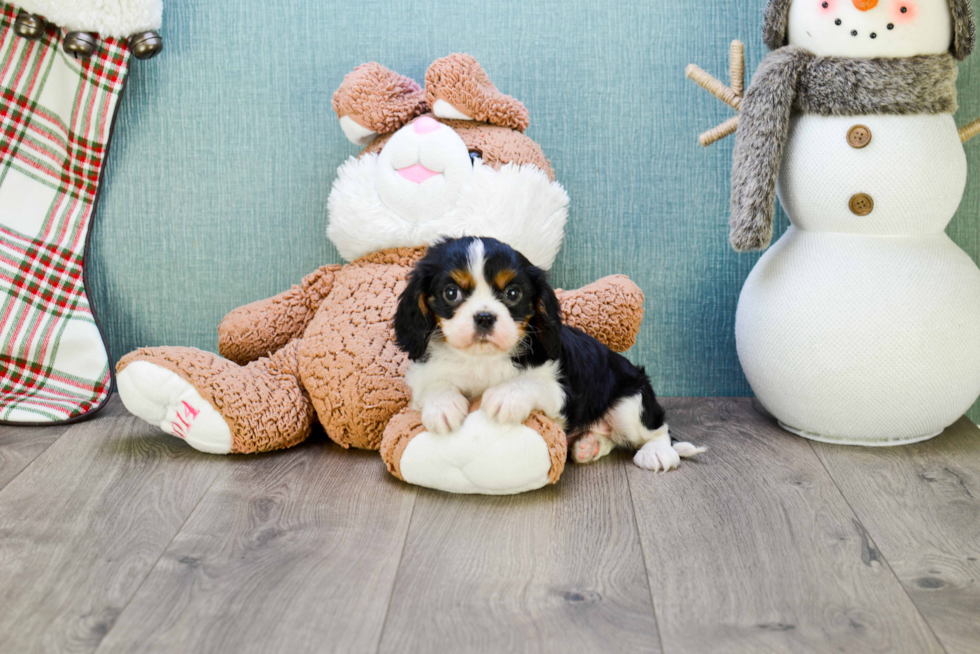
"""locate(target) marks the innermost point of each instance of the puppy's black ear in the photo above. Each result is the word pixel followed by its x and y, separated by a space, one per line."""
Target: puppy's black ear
pixel 414 320
pixel 547 317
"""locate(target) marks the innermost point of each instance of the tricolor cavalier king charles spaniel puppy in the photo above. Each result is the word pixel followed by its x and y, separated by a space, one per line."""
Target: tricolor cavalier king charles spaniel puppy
pixel 477 319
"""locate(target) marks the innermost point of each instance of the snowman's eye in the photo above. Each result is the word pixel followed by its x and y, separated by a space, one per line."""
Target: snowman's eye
pixel 903 12
pixel 825 5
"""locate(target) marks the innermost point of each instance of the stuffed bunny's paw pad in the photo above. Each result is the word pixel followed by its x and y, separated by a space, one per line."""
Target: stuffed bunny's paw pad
pixel 165 399
pixel 483 457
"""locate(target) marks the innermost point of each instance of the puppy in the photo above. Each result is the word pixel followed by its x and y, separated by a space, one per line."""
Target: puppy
pixel 477 319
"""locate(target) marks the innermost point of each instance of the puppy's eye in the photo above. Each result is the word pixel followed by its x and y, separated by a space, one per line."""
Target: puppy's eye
pixel 474 155
pixel 513 294
pixel 452 294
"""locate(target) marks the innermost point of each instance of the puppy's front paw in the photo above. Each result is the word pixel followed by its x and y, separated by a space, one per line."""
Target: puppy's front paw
pixel 506 403
pixel 445 413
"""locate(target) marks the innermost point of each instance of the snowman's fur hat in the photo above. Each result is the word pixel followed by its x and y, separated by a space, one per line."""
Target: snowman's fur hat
pixel 774 30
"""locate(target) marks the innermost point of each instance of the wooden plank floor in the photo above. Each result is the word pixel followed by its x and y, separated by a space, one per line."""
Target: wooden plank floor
pixel 117 538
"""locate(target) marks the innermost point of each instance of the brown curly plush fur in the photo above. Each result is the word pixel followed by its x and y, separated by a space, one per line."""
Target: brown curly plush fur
pixel 343 364
pixel 459 80
pixel 611 309
pixel 324 348
pixel 378 98
pixel 260 328
pixel 263 403
pixel 348 359
pixel 352 370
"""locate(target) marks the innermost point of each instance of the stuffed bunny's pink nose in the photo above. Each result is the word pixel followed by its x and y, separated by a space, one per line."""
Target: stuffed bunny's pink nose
pixel 424 125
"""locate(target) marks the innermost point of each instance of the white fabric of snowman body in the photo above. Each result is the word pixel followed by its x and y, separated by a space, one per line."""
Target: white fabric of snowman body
pixel 861 325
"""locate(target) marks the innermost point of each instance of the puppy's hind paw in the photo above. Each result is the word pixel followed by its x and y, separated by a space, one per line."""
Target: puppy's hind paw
pixel 591 447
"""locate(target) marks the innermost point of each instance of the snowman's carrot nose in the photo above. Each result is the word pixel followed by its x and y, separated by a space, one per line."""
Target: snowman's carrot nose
pixel 865 5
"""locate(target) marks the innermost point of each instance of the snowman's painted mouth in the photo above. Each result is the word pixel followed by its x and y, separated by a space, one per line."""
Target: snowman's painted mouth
pixel 872 34
pixel 417 173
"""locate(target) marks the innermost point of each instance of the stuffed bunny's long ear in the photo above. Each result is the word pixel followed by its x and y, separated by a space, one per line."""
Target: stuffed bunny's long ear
pixel 457 88
pixel 373 100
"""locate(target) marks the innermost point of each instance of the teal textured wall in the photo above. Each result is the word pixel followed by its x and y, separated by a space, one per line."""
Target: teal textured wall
pixel 226 146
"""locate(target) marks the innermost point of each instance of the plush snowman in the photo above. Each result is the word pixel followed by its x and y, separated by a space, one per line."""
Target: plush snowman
pixel 861 325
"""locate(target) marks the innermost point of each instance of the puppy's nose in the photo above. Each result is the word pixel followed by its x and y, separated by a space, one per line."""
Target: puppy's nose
pixel 484 320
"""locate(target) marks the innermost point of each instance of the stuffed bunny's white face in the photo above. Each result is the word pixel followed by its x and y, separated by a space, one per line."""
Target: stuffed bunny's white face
pixel 426 182
pixel 422 170
pixel 871 28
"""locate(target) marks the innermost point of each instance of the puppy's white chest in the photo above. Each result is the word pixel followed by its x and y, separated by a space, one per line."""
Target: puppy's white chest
pixel 471 374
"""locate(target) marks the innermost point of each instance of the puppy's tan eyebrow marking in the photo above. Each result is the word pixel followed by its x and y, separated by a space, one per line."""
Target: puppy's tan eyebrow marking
pixel 504 277
pixel 464 279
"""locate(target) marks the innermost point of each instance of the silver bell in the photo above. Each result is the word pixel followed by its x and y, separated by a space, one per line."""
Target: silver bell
pixel 146 45
pixel 80 45
pixel 30 26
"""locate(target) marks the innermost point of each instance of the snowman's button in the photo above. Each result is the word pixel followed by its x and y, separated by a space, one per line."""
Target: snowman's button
pixel 861 204
pixel 858 136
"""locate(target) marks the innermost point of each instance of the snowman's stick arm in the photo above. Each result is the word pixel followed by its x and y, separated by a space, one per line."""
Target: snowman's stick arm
pixel 730 95
pixel 727 128
pixel 970 130
pixel 736 62
pixel 713 85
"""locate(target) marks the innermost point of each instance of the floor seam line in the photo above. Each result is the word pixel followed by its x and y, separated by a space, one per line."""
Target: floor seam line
pixel 643 557
pixel 398 569
pixel 34 460
pixel 157 562
pixel 847 501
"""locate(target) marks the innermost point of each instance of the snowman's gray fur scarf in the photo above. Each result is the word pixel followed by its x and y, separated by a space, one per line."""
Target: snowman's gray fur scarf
pixel 792 80
pixel 964 29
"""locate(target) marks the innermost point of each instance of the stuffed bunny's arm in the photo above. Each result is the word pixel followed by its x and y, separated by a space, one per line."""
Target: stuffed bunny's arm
pixel 609 309
pixel 260 328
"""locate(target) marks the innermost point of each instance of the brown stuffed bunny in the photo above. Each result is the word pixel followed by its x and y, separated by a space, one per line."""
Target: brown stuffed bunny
pixel 449 160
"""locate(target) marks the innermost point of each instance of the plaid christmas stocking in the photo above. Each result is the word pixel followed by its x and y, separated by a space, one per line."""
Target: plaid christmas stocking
pixel 56 116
